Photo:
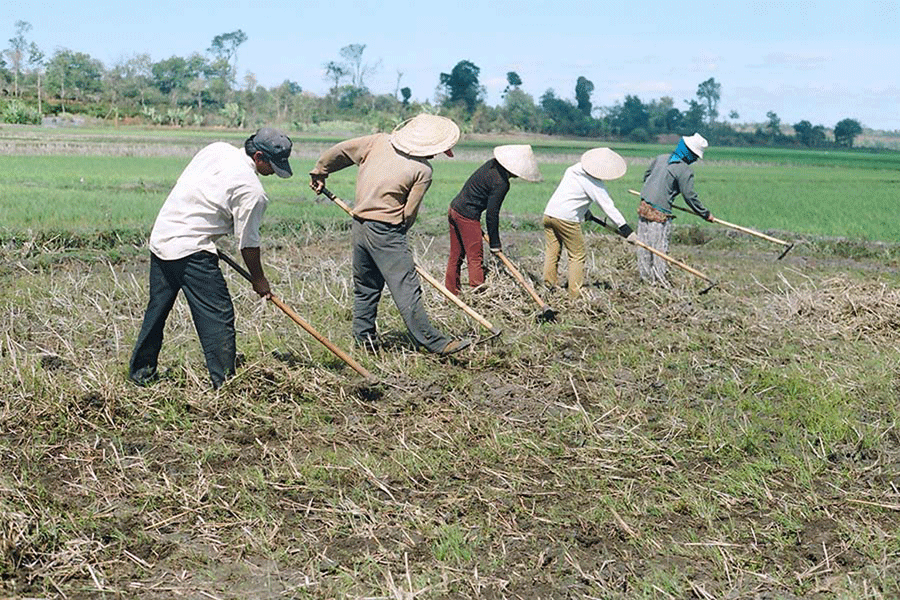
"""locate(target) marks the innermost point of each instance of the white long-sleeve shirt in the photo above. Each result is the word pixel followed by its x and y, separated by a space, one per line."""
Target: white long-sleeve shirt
pixel 218 193
pixel 573 196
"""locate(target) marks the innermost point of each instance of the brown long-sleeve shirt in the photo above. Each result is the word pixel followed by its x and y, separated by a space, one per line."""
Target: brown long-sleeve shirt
pixel 390 185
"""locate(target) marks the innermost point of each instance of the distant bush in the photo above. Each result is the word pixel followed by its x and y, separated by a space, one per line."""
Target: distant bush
pixel 20 113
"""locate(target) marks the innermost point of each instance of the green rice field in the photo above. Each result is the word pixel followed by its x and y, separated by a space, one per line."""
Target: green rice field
pixel 847 195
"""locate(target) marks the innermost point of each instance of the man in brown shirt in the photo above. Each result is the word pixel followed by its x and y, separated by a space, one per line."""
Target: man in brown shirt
pixel 394 174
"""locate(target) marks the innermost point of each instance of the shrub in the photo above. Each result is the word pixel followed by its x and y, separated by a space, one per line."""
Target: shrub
pixel 20 113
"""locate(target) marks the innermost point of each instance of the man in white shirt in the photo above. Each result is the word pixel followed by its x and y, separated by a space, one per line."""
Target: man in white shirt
pixel 218 193
pixel 582 183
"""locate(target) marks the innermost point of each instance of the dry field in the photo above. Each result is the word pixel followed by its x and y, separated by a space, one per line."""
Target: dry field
pixel 648 444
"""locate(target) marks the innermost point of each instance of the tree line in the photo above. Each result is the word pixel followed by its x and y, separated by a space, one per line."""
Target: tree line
pixel 203 90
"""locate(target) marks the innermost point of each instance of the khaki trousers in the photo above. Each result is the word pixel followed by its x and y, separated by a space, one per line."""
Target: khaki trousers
pixel 564 234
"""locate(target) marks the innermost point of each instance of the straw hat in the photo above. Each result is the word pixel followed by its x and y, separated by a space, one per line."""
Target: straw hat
pixel 519 160
pixel 696 144
pixel 425 135
pixel 603 163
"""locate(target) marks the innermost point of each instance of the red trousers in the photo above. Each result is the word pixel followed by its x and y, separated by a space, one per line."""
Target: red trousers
pixel 465 243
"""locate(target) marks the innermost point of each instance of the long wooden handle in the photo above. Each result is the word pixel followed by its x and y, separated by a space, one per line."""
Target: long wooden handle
pixel 425 274
pixel 302 323
pixel 758 234
pixel 674 261
pixel 337 201
pixel 454 298
pixel 519 277
pixel 660 254
pixel 747 230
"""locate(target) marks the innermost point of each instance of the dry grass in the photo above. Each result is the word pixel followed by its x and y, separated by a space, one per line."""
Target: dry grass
pixel 648 444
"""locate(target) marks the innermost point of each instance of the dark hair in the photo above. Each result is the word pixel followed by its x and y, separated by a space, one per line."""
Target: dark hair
pixel 250 145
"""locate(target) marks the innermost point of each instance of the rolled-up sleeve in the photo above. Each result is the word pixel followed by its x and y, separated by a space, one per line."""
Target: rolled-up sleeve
pixel 247 213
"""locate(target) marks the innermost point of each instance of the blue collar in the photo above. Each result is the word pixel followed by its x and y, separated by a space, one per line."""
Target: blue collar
pixel 682 153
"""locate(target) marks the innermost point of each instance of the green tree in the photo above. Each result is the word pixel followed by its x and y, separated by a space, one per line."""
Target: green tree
pixel 173 76
pixel 674 120
pixel 773 125
pixel 561 117
pixel 354 65
pixel 583 90
pixel 657 111
pixel 710 92
pixel 284 96
pixel 76 75
pixel 462 86
pixel 846 131
pixel 18 46
pixel 335 72
pixel 692 119
pixel 406 93
pixel 224 49
pixel 520 111
pixel 630 115
pixel 36 63
pixel 809 135
pixel 513 81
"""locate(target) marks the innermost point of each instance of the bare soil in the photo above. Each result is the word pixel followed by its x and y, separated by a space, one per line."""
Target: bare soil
pixel 649 443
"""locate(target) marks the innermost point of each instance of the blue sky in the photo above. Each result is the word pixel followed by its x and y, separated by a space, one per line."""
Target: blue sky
pixel 819 61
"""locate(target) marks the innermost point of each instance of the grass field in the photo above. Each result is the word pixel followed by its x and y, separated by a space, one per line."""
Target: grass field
pixel 650 443
pixel 820 193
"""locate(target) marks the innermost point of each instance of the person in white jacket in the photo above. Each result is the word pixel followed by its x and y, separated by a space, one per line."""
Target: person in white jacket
pixel 581 184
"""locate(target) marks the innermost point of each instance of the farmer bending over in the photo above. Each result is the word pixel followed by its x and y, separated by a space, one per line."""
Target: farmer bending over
pixel 568 207
pixel 666 177
pixel 394 174
pixel 218 193
pixel 484 191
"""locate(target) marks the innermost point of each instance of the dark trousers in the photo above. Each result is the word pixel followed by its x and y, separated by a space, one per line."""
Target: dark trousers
pixel 199 276
pixel 465 243
pixel 381 255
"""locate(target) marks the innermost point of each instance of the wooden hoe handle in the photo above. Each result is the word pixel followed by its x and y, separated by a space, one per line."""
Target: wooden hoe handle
pixel 741 228
pixel 661 254
pixel 519 277
pixel 426 275
pixel 302 323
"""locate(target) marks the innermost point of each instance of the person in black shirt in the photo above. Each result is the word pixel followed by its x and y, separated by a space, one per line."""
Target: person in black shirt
pixel 484 191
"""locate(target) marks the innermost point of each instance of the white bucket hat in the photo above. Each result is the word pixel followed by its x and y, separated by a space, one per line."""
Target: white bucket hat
pixel 425 135
pixel 696 144
pixel 519 160
pixel 603 163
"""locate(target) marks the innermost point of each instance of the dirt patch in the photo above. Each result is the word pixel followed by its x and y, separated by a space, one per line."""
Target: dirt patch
pixel 648 443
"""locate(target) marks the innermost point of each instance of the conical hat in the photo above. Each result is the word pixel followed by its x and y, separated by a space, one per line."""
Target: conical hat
pixel 519 160
pixel 425 135
pixel 603 163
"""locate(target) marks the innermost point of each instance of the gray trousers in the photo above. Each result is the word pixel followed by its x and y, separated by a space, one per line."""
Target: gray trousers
pixel 652 268
pixel 381 255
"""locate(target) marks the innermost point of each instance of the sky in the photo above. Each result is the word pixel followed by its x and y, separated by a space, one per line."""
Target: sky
pixel 816 61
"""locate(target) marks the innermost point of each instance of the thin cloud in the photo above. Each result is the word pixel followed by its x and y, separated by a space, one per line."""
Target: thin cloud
pixel 706 63
pixel 792 60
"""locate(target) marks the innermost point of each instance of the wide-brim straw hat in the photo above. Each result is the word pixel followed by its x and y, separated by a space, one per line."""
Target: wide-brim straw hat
pixel 603 163
pixel 696 144
pixel 425 135
pixel 519 160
